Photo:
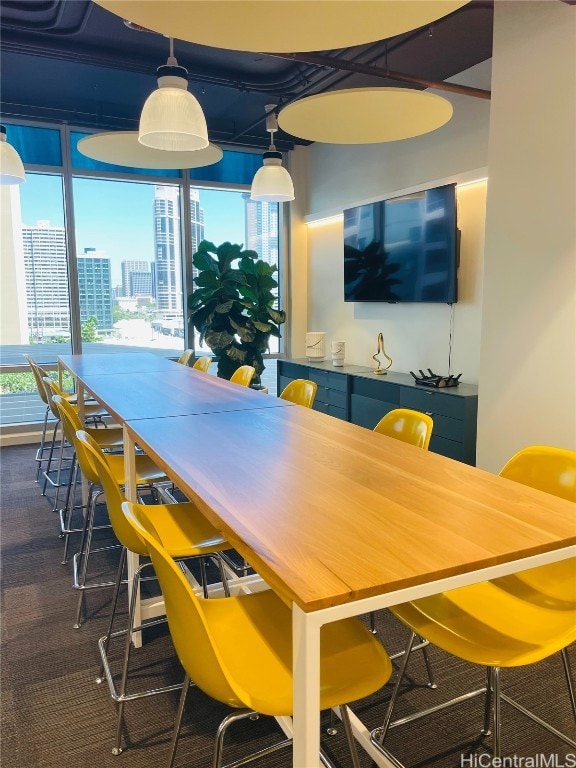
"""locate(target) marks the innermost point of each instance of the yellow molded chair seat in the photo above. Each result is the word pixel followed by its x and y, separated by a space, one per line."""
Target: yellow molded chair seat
pixel 243 375
pixel 513 620
pixel 301 392
pixel 186 356
pixel 239 650
pixel 147 473
pixel 202 363
pixel 92 411
pixel 407 425
pixel 183 531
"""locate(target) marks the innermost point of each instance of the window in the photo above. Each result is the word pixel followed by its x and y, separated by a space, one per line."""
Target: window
pixel 131 261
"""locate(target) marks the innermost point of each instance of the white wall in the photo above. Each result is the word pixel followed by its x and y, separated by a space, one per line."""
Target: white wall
pixel 416 335
pixel 528 350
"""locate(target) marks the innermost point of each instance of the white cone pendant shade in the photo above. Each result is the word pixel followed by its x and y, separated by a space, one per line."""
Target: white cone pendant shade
pixel 11 168
pixel 172 118
pixel 272 182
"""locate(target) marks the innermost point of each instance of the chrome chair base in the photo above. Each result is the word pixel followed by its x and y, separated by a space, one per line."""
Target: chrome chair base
pixel 491 709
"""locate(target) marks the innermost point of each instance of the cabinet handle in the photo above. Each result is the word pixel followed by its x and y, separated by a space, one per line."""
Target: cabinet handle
pixel 428 413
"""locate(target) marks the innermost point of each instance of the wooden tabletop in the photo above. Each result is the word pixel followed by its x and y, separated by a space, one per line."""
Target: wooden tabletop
pixel 125 362
pixel 176 391
pixel 328 512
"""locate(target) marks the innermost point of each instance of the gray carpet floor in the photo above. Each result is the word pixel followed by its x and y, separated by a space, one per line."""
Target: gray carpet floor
pixel 54 715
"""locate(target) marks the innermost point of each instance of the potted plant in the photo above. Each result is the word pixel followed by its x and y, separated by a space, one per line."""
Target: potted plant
pixel 232 306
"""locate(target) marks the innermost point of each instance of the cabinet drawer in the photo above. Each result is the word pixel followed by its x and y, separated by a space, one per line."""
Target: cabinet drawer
pixel 339 413
pixel 338 381
pixel 433 402
pixel 292 370
pixel 322 394
pixel 320 377
pixel 377 390
pixel 452 429
pixel 449 448
pixel 320 406
pixel 367 412
pixel 337 398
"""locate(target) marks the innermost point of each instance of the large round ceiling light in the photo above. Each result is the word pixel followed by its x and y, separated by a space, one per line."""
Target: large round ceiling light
pixel 281 26
pixel 123 148
pixel 365 115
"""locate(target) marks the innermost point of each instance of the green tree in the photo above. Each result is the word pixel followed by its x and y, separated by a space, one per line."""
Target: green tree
pixel 89 329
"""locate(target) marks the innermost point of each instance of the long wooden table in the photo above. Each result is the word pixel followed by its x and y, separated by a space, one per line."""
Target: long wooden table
pixel 340 521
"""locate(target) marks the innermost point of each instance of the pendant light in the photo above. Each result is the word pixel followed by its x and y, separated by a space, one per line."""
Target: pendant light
pixel 11 168
pixel 272 182
pixel 172 118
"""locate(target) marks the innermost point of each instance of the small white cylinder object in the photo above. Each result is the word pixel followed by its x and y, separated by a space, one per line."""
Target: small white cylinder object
pixel 316 345
pixel 338 353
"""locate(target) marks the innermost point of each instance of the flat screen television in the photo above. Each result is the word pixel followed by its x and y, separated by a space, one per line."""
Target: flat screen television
pixel 403 249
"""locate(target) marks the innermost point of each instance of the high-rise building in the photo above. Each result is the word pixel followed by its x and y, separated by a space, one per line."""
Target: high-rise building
pixel 196 219
pixel 46 274
pixel 262 229
pixel 140 285
pixel 95 288
pixel 168 267
pixel 129 268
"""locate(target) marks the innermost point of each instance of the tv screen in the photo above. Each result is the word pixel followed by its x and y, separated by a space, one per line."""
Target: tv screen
pixel 402 249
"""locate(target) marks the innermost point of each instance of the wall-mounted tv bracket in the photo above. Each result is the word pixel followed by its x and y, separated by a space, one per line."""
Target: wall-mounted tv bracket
pixel 434 380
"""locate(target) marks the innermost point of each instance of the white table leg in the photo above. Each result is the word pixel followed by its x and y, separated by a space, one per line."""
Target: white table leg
pixel 131 493
pixel 306 670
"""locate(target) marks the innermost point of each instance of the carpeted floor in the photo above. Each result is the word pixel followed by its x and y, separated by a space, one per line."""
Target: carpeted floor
pixel 55 716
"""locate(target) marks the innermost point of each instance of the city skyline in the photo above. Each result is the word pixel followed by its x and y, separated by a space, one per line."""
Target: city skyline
pixel 116 217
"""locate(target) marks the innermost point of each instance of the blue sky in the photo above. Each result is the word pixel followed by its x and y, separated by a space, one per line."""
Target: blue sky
pixel 117 216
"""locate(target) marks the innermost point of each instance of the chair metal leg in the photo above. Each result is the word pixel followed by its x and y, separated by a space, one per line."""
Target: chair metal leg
pixel 113 607
pixel 240 714
pixel 496 725
pixel 486 729
pixel 50 455
pixel 401 672
pixel 178 721
pixel 117 749
pixel 345 717
pixel 569 680
pixel 40 451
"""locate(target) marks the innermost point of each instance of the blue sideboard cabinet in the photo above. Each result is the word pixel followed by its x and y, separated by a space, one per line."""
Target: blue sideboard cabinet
pixel 357 395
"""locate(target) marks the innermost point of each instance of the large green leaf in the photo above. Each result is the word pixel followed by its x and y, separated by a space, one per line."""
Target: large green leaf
pixel 263 268
pixel 207 280
pixel 245 332
pixel 263 327
pixel 247 265
pixel 277 315
pixel 234 353
pixel 224 307
pixel 218 339
pixel 203 261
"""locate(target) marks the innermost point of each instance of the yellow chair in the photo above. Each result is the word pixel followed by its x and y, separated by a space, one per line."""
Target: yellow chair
pixel 111 438
pixel 239 650
pixel 202 363
pixel 92 411
pixel 184 533
pixel 39 373
pixel 147 473
pixel 243 375
pixel 510 621
pixel 186 356
pixel 301 392
pixel 409 426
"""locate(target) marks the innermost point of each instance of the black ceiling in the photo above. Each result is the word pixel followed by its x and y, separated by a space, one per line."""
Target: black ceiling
pixel 72 61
